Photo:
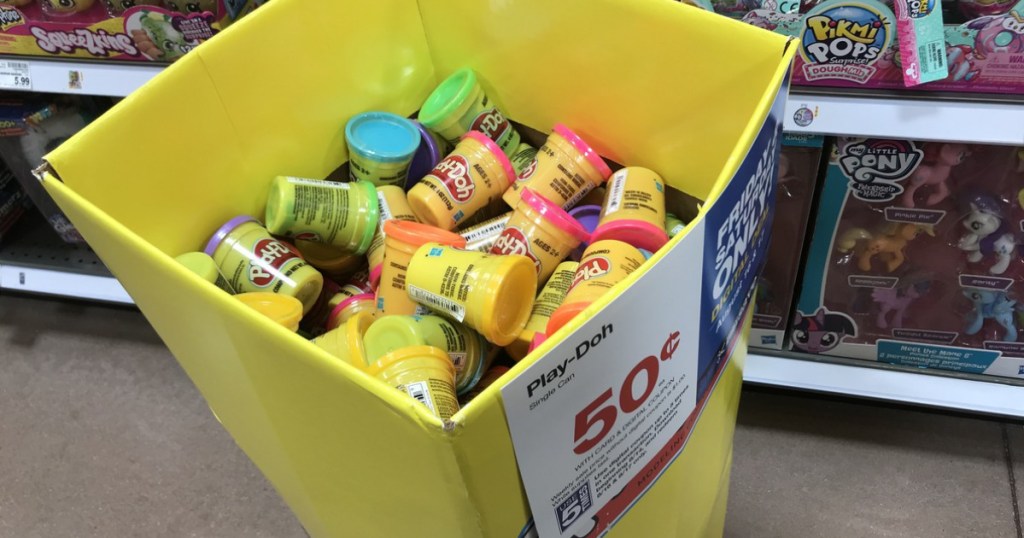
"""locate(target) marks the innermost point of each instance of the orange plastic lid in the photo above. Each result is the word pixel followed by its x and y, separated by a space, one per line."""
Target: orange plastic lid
pixel 417 234
pixel 436 356
pixel 284 310
pixel 563 315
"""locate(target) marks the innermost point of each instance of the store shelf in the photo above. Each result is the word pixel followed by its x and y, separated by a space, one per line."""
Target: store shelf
pixel 993 396
pixel 71 77
pixel 914 116
pixel 34 260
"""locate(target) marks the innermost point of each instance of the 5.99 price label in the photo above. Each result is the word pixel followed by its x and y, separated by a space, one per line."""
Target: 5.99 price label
pixel 15 75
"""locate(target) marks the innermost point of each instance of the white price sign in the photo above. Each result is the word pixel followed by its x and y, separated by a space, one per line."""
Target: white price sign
pixel 600 417
pixel 15 75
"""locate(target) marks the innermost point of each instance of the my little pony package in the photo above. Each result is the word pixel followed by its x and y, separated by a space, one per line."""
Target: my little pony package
pixel 915 257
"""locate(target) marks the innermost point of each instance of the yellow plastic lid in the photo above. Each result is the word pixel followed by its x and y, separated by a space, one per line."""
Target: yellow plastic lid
pixel 512 296
pixel 355 329
pixel 284 310
pixel 437 357
pixel 201 264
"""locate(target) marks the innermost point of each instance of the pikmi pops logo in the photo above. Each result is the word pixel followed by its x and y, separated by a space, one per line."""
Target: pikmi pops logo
pixel 742 228
pixel 844 40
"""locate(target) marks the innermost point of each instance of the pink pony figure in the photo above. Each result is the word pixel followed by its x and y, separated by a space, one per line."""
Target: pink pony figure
pixel 896 301
pixel 998 33
pixel 961 63
pixel 935 174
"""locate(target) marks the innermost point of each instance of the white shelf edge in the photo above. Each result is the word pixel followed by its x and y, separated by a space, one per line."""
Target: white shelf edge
pixel 62 283
pixel 881 384
pixel 94 78
pixel 911 119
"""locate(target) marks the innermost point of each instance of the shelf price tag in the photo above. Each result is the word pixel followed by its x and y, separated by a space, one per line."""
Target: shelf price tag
pixel 15 75
pixel 597 420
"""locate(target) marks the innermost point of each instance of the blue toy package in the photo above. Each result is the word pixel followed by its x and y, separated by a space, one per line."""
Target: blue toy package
pixel 914 257
pixel 776 287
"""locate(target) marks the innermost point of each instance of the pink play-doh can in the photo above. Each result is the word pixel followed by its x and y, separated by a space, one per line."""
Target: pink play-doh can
pixel 541 231
pixel 634 209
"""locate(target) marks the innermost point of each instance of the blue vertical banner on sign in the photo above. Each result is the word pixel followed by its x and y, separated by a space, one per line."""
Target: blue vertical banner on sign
pixel 738 230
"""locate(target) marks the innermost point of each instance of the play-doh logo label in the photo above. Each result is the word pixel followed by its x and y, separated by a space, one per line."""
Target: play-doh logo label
pixel 10 17
pixel 453 173
pixel 843 41
pixel 491 123
pixel 528 171
pixel 514 241
pixel 591 269
pixel 875 167
pixel 269 256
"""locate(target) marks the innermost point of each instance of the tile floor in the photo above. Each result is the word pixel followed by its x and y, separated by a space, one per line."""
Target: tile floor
pixel 102 435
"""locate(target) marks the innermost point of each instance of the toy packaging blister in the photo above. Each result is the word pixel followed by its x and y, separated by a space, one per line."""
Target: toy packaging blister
pixel 856 43
pixel 914 258
pixel 776 287
pixel 13 202
pixel 132 30
pixel 30 127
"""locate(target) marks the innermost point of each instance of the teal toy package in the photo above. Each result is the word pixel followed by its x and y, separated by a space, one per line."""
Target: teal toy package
pixel 915 257
pixel 776 287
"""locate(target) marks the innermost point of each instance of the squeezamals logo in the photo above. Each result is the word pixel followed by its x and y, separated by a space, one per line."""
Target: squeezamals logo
pixel 875 167
pixel 98 43
pixel 10 17
pixel 844 40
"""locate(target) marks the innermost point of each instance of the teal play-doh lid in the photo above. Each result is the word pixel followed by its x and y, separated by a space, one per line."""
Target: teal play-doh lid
pixel 382 136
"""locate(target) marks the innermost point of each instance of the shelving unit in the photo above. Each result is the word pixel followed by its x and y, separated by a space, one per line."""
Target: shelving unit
pixel 34 259
pixel 74 77
pixel 877 381
pixel 983 119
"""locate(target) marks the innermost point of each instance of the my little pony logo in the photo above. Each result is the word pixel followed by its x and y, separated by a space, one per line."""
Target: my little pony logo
pixel 10 17
pixel 874 166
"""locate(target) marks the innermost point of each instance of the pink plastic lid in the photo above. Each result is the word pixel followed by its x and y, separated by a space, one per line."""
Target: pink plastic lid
pixel 555 215
pixel 375 275
pixel 584 148
pixel 640 234
pixel 496 150
pixel 538 339
pixel 331 319
pixel 226 229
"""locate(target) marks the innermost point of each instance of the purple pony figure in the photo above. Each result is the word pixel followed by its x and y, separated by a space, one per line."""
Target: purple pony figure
pixel 987 233
pixel 896 301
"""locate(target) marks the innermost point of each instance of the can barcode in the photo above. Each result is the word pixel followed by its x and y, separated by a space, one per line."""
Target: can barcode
pixel 618 186
pixel 418 390
pixel 437 302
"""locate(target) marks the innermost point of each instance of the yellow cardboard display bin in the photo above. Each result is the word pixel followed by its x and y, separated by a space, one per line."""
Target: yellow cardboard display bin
pixel 656 84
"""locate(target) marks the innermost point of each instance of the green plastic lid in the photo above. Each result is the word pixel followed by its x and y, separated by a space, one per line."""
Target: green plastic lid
pixel 373 217
pixel 448 98
pixel 391 333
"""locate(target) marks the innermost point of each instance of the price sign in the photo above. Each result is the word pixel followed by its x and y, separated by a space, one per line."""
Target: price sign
pixel 599 419
pixel 596 421
pixel 15 75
